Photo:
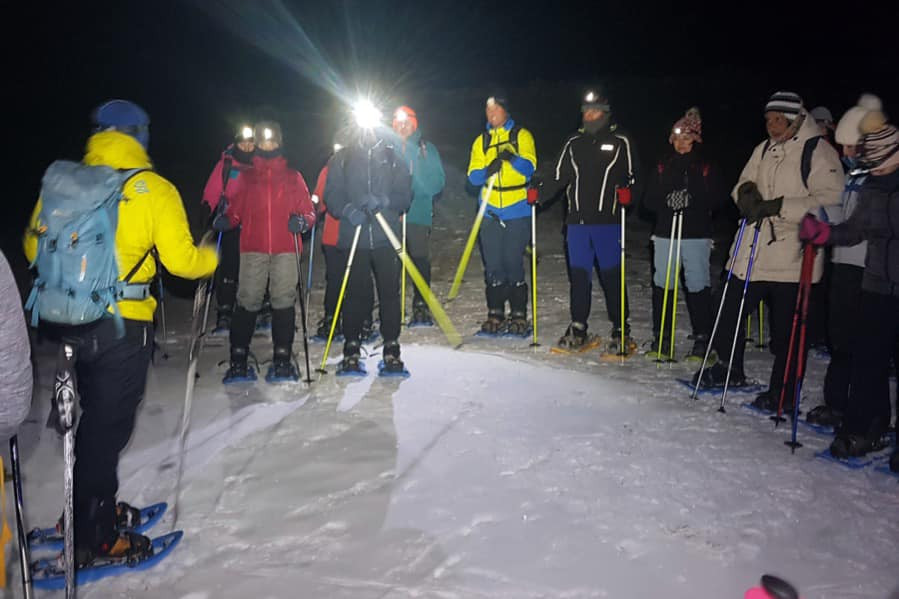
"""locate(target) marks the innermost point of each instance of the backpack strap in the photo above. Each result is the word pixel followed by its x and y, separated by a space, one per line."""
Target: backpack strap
pixel 513 138
pixel 805 166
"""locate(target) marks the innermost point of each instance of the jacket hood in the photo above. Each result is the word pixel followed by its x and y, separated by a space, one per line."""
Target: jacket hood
pixel 115 149
pixel 808 129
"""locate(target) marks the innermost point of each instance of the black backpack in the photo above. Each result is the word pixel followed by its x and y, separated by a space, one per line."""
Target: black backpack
pixel 513 139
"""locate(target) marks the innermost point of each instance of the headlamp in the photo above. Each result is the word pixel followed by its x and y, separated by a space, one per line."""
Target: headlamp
pixel 590 97
pixel 678 130
pixel 491 101
pixel 400 115
pixel 337 148
pixel 366 115
pixel 246 133
pixel 267 134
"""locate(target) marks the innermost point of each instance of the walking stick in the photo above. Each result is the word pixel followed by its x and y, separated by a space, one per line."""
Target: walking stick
pixel 665 296
pixel 346 278
pixel 680 229
pixel 403 279
pixel 296 247
pixel 534 270
pixel 469 245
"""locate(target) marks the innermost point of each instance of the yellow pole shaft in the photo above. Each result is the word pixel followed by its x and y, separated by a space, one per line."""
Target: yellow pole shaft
pixel 346 278
pixel 469 245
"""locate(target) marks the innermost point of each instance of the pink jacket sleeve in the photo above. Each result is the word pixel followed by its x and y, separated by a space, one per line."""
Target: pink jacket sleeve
pixel 213 190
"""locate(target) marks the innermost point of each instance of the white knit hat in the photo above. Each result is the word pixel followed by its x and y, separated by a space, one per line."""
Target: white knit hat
pixel 848 132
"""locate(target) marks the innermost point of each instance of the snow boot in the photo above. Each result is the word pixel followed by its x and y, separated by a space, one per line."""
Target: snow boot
pixel 495 323
pixel 700 346
pixel 575 336
pixel 716 374
pixel 421 316
pixel 128 546
pixel 282 368
pixel 518 324
pixel 350 365
pixel 769 400
pixel 825 416
pixel 238 371
pixel 613 347
pixel 391 365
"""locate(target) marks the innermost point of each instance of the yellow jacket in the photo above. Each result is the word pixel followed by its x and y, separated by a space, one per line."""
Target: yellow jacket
pixel 509 195
pixel 150 214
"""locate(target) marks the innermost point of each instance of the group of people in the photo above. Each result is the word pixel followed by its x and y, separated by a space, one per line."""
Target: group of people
pixel 796 189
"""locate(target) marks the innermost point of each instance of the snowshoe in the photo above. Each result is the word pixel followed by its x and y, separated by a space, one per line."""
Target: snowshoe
pixel 517 325
pixel 282 368
pixel 653 352
pixel 575 340
pixel 128 546
pixel 700 346
pixel 846 446
pixel 613 347
pixel 824 416
pixel 494 325
pixel 392 366
pixel 239 371
pixel 351 366
pixel 421 317
pixel 715 376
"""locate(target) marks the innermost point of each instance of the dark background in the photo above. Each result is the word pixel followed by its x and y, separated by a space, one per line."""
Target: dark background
pixel 201 68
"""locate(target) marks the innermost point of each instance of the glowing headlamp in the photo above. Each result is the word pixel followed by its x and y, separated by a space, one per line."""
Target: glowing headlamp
pixel 246 133
pixel 366 115
pixel 590 97
pixel 400 115
pixel 337 148
pixel 678 130
pixel 268 134
pixel 491 101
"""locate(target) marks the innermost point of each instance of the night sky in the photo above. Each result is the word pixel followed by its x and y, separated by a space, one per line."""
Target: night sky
pixel 199 68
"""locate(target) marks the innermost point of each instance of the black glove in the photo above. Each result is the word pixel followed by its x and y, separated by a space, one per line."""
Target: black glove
pixel 354 216
pixel 376 203
pixel 752 206
pixel 494 167
pixel 507 155
pixel 678 199
pixel 221 223
pixel 297 225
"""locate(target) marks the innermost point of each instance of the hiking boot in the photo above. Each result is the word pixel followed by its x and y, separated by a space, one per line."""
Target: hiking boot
pixel 825 416
pixel 282 367
pixel 392 362
pixel 700 346
pixel 128 546
pixel 238 368
pixel 494 324
pixel 575 336
pixel 716 374
pixel 614 345
pixel 323 328
pixel 847 446
pixel 769 400
pixel 518 324
pixel 421 315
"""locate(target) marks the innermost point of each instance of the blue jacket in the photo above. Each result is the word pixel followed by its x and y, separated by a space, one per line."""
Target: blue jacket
pixel 427 173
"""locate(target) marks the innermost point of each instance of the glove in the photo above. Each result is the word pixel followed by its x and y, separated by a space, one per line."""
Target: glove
pixel 678 199
pixel 623 195
pixel 297 225
pixel 354 216
pixel 375 203
pixel 813 231
pixel 221 223
pixel 507 155
pixel 494 167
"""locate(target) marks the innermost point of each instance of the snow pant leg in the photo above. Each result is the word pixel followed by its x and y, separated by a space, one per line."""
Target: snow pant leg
pixel 580 270
pixel 418 246
pixel 386 267
pixel 254 282
pixel 516 235
pixel 335 265
pixel 359 298
pixel 283 280
pixel 781 301
pixel 728 325
pixel 491 242
pixel 226 275
pixel 606 242
pixel 843 322
pixel 111 377
pixel 869 391
pixel 695 255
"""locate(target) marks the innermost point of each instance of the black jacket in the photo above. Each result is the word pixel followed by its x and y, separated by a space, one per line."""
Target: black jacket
pixel 589 168
pixel 707 196
pixel 356 171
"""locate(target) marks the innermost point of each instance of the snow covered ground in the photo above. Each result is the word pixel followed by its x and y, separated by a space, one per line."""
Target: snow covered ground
pixel 497 470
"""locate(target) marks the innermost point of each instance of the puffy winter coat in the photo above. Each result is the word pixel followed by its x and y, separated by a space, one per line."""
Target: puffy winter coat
pixel 589 168
pixel 269 194
pixel 212 193
pixel 853 255
pixel 508 199
pixel 356 171
pixel 776 169
pixel 150 215
pixel 331 227
pixel 679 171
pixel 876 219
pixel 427 173
pixel 15 356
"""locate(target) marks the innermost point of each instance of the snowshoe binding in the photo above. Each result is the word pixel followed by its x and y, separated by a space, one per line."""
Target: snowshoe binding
pixel 613 349
pixel 575 340
pixel 494 325
pixel 238 370
pixel 421 316
pixel 391 365
pixel 128 546
pixel 323 329
pixel 714 377
pixel 282 369
pixel 518 326
pixel 351 365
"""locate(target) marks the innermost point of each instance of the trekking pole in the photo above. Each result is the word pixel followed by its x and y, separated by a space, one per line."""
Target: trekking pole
pixel 800 362
pixel 733 346
pixel 534 271
pixel 761 343
pixel 680 229
pixel 665 296
pixel 346 278
pixel 469 245
pixel 403 279
pixel 808 261
pixel 165 334
pixel 730 273
pixel 748 328
pixel 296 250
pixel 64 395
pixel 440 316
pixel 309 270
pixel 24 559
pixel 621 335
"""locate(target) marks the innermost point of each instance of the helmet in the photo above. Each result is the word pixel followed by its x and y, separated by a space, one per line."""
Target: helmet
pixel 124 116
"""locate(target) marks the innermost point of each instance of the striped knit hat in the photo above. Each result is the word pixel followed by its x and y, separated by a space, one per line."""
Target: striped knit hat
pixel 787 103
pixel 877 147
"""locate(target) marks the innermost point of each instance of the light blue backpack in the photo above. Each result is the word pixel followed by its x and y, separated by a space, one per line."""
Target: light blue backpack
pixel 77 274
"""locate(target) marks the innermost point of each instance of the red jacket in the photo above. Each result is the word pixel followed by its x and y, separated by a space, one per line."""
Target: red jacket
pixel 269 193
pixel 332 225
pixel 212 193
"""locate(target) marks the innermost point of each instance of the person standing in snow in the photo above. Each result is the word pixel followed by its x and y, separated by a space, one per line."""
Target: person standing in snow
pixel 273 209
pixel 428 180
pixel 787 175
pixel 848 266
pixel 366 178
pixel 684 182
pixel 875 220
pixel 505 153
pixel 15 355
pixel 237 158
pixel 111 370
pixel 597 168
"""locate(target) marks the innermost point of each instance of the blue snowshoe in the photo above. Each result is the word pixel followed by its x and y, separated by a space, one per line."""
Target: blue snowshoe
pixel 239 371
pixel 282 369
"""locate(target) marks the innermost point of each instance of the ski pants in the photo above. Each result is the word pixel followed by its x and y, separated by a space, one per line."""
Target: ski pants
pixel 384 264
pixel 781 301
pixel 869 391
pixel 418 246
pixel 502 248
pixel 226 275
pixel 843 327
pixel 694 255
pixel 602 244
pixel 335 264
pixel 111 375
pixel 278 271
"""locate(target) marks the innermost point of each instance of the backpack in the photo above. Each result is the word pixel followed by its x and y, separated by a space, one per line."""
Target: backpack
pixel 513 138
pixel 77 274
pixel 805 163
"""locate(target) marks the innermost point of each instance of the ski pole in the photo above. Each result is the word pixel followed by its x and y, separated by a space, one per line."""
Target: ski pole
pixel 403 279
pixel 165 334
pixel 296 248
pixel 667 282
pixel 730 273
pixel 800 363
pixel 733 347
pixel 440 316
pixel 64 395
pixel 808 257
pixel 309 269
pixel 534 271
pixel 749 327
pixel 346 278
pixel 680 229
pixel 469 245
pixel 621 352
pixel 24 559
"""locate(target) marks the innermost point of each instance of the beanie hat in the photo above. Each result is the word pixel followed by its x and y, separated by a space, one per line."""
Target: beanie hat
pixel 124 116
pixel 595 99
pixel 268 130
pixel 690 124
pixel 821 113
pixel 787 103
pixel 404 113
pixel 499 97
pixel 848 133
pixel 878 146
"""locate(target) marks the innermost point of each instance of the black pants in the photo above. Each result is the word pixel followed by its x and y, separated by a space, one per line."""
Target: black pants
pixel 335 265
pixel 111 377
pixel 228 270
pixel 384 264
pixel 869 391
pixel 418 245
pixel 781 301
pixel 843 329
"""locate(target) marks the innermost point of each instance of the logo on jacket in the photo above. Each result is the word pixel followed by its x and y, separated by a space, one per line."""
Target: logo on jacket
pixel 607 147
